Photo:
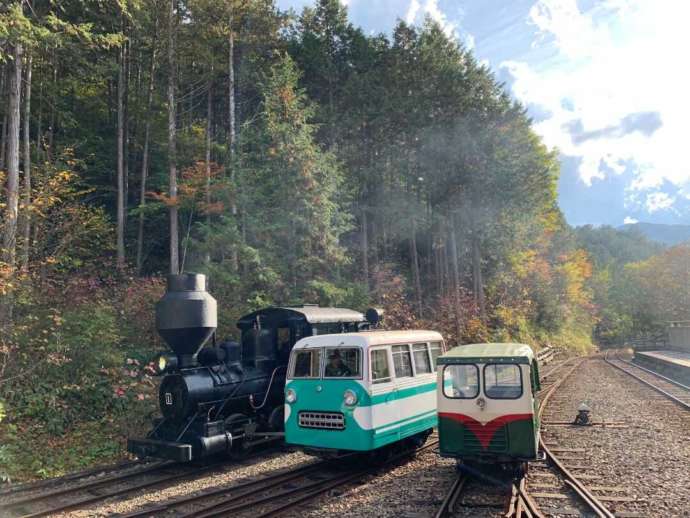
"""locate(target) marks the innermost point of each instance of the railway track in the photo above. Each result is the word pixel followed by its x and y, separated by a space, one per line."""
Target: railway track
pixel 16 489
pixel 557 475
pixel 670 389
pixel 272 494
pixel 534 495
pixel 36 501
pixel 513 500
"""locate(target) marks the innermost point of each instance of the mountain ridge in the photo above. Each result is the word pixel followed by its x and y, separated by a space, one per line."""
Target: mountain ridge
pixel 667 234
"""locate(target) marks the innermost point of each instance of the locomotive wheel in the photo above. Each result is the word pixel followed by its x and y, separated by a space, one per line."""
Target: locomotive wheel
pixel 276 419
pixel 234 423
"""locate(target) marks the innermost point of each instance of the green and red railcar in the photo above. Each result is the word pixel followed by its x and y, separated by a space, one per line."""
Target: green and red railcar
pixel 487 408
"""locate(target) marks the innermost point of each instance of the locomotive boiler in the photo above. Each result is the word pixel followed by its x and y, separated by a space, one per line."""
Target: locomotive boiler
pixel 217 397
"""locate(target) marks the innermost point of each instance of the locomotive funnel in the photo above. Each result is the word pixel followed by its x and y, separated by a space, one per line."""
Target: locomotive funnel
pixel 186 316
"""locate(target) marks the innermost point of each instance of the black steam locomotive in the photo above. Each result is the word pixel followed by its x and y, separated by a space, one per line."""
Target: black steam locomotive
pixel 213 398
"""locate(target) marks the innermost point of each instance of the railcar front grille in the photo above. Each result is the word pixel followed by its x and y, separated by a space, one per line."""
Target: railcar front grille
pixel 322 420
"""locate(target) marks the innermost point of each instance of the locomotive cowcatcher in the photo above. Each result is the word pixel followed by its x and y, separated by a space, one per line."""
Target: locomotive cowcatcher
pixel 217 397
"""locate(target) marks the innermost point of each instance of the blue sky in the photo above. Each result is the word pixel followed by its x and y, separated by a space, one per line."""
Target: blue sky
pixel 604 81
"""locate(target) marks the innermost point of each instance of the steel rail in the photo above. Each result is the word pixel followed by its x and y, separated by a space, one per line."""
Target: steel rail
pixel 76 504
pixel 14 489
pixel 658 375
pixel 303 493
pixel 550 391
pixel 267 482
pixel 590 499
pixel 650 385
pixel 594 503
pixel 88 485
pixel 452 496
pixel 523 503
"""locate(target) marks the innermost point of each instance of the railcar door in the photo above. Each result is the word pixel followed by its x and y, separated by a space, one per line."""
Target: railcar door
pixel 508 409
pixel 458 410
pixel 384 407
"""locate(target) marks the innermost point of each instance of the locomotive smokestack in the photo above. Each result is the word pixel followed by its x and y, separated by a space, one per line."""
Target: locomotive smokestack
pixel 186 316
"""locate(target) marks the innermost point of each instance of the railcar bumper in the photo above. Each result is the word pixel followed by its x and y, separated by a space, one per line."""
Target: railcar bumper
pixel 180 452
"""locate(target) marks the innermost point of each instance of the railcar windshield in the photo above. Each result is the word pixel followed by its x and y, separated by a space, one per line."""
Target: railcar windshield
pixel 461 381
pixel 343 362
pixel 306 364
pixel 502 381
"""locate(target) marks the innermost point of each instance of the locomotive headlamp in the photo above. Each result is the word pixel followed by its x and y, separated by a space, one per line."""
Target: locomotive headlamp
pixel 349 398
pixel 165 363
pixel 290 396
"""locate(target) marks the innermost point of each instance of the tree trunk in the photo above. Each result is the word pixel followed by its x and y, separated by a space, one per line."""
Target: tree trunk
pixel 39 122
pixel 365 247
pixel 232 136
pixel 120 161
pixel 9 237
pixel 125 142
pixel 477 275
pixel 145 155
pixel 209 127
pixel 456 275
pixel 53 112
pixel 26 220
pixel 415 268
pixel 13 121
pixel 172 144
pixel 3 129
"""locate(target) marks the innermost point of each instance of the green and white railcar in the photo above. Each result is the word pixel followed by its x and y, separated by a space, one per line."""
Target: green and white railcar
pixel 487 408
pixel 361 391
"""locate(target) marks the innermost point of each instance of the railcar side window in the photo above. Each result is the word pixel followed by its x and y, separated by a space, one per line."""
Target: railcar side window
pixel 380 371
pixel 422 364
pixel 307 363
pixel 461 381
pixel 436 351
pixel 343 362
pixel 502 381
pixel 402 361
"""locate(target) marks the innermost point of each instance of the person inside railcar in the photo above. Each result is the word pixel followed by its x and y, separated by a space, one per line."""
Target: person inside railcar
pixel 336 367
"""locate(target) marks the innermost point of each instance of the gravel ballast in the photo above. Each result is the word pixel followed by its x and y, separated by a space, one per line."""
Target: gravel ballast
pixel 261 465
pixel 646 456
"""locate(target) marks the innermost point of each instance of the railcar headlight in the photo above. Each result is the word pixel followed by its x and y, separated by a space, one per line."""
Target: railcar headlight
pixel 290 396
pixel 349 398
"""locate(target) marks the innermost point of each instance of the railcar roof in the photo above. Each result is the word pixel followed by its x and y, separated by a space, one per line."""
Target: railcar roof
pixel 501 352
pixel 370 338
pixel 312 314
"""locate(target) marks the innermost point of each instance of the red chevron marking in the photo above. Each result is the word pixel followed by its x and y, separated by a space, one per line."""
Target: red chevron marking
pixel 484 432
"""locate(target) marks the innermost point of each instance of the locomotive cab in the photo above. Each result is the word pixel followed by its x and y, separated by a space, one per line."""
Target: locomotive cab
pixel 487 407
pixel 213 397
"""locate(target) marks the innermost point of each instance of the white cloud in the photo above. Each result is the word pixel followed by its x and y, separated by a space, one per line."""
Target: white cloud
pixel 622 57
pixel 416 13
pixel 629 221
pixel 659 201
pixel 574 33
pixel 412 11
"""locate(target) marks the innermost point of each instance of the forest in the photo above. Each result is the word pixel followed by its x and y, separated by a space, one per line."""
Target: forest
pixel 293 159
